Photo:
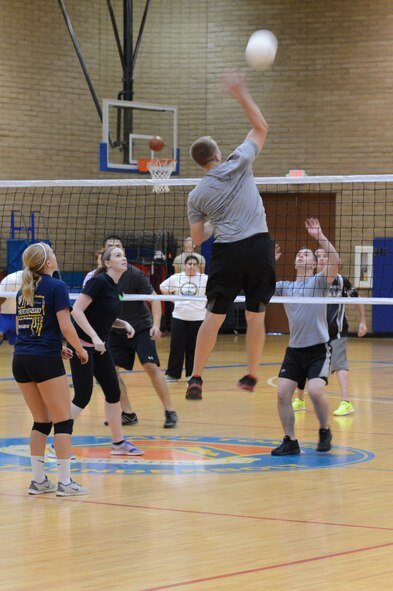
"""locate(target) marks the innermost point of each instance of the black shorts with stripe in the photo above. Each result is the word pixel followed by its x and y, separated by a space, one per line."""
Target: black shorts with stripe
pixel 306 363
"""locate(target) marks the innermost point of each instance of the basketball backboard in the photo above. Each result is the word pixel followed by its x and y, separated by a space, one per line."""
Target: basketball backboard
pixel 128 126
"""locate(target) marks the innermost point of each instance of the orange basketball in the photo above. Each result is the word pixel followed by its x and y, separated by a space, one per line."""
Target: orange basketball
pixel 156 143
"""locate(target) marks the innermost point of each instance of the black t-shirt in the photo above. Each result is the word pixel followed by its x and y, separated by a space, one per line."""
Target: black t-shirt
pixel 337 321
pixel 105 307
pixel 136 313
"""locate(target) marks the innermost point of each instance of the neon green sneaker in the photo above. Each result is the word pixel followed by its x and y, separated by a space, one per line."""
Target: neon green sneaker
pixel 298 404
pixel 345 408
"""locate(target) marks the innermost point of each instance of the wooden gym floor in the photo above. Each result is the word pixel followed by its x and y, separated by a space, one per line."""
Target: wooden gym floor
pixel 208 508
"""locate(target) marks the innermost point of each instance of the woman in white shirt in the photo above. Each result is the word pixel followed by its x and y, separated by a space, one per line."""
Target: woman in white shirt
pixel 187 317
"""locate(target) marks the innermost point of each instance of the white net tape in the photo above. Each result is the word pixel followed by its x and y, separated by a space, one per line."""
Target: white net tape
pixel 161 170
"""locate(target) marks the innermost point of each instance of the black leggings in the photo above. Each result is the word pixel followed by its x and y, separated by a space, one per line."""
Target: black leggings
pixel 183 340
pixel 100 367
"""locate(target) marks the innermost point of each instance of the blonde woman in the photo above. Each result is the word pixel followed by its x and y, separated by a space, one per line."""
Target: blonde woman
pixel 43 318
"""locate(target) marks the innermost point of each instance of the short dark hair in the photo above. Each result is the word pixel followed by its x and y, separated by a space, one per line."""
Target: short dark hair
pixel 191 257
pixel 311 250
pixel 203 150
pixel 112 237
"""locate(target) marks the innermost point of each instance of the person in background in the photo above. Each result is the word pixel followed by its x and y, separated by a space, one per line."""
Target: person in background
pixel 308 353
pixel 143 344
pixel 226 203
pixel 12 283
pixel 179 262
pixel 338 334
pixel 98 256
pixel 187 317
pixel 43 318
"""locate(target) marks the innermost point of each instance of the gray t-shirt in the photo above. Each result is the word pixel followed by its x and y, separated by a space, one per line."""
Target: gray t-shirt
pixel 307 322
pixel 228 196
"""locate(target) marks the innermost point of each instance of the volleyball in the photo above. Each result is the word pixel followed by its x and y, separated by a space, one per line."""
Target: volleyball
pixel 261 50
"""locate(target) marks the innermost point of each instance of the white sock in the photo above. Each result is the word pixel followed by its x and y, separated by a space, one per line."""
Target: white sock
pixel 64 470
pixel 38 468
pixel 75 411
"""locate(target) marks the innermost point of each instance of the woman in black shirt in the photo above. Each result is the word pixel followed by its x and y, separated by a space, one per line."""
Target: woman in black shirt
pixel 95 311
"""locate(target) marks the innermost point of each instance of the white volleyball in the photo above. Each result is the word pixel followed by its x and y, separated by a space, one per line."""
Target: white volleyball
pixel 261 50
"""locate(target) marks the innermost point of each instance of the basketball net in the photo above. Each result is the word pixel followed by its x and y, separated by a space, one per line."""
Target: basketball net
pixel 161 169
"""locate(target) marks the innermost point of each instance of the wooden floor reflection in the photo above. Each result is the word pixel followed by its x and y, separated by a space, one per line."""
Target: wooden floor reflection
pixel 306 525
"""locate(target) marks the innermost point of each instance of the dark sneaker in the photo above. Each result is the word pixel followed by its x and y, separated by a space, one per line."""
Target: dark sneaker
pixel 325 438
pixel 194 389
pixel 288 447
pixel 247 383
pixel 171 419
pixel 127 418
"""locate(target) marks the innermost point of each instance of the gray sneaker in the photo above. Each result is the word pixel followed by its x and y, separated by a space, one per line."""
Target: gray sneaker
pixel 39 488
pixel 52 454
pixel 70 490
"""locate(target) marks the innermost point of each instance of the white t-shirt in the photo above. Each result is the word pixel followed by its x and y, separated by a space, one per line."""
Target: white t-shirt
pixel 11 282
pixel 182 284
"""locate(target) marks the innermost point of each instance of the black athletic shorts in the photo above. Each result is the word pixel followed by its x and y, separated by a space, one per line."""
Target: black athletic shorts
pixel 247 265
pixel 123 350
pixel 306 363
pixel 36 368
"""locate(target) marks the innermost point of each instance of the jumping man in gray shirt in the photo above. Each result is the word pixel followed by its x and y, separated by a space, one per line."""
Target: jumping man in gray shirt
pixel 308 353
pixel 227 203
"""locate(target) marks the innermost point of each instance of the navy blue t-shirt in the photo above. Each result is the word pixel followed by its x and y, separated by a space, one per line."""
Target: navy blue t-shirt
pixel 38 328
pixel 105 307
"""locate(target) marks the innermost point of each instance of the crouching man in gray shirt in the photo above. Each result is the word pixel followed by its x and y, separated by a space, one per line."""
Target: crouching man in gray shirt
pixel 308 353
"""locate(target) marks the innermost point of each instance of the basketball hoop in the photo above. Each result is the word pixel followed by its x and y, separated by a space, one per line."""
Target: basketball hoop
pixel 159 169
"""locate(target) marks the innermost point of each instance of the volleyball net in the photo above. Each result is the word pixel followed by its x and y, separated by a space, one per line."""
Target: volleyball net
pixel 356 214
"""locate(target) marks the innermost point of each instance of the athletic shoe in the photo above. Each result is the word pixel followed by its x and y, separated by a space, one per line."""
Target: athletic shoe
pixel 194 388
pixel 325 438
pixel 170 379
pixel 126 449
pixel 188 378
pixel 247 383
pixel 127 418
pixel 39 488
pixel 171 419
pixel 288 447
pixel 345 408
pixel 52 453
pixel 70 490
pixel 298 404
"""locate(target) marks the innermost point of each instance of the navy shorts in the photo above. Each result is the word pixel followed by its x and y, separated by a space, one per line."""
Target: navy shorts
pixel 36 368
pixel 306 363
pixel 246 265
pixel 123 350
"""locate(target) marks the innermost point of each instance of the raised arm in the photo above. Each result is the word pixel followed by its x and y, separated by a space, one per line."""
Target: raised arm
pixel 235 86
pixel 314 229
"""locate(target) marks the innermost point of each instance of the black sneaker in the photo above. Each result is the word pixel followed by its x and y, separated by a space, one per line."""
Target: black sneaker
pixel 247 383
pixel 288 447
pixel 194 390
pixel 127 418
pixel 171 419
pixel 325 437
